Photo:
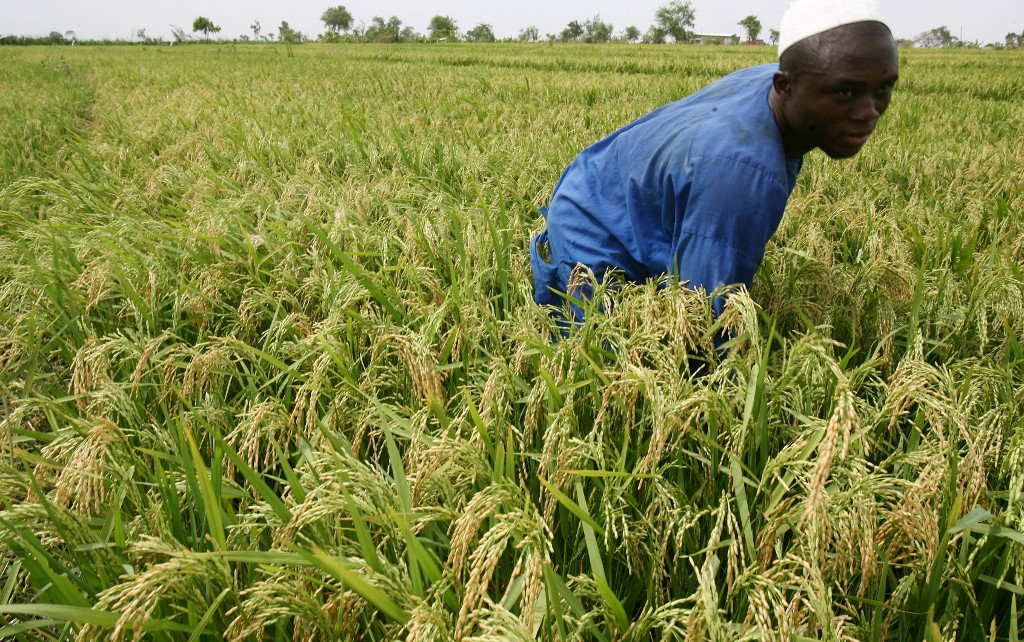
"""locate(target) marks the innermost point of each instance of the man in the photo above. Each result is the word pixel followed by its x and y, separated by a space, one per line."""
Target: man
pixel 697 187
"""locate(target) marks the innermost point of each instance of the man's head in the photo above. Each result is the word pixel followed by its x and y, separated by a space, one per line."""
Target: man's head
pixel 833 83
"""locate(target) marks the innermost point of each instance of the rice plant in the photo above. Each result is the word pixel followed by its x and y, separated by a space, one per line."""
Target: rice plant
pixel 270 366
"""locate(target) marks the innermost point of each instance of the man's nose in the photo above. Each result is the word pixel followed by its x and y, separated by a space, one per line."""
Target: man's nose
pixel 867 108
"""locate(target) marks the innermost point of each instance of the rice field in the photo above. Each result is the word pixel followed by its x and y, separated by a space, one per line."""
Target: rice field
pixel 270 367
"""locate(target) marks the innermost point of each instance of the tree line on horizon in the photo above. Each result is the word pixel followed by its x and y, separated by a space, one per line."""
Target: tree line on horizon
pixel 673 22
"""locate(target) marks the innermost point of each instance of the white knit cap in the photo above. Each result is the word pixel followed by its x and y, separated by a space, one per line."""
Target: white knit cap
pixel 806 18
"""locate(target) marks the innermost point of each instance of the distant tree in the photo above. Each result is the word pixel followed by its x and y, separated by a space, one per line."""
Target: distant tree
pixel 655 36
pixel 288 35
pixel 753 27
pixel 596 30
pixel 178 33
pixel 937 37
pixel 481 33
pixel 529 34
pixel 55 38
pixel 205 25
pixel 674 19
pixel 372 33
pixel 337 19
pixel 381 30
pixel 572 31
pixel 1014 39
pixel 394 26
pixel 443 28
pixel 409 34
pixel 773 35
pixel 631 33
pixel 256 29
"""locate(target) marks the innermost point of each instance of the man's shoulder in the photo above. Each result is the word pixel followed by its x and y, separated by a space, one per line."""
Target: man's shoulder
pixel 745 74
pixel 728 119
pixel 739 127
pixel 736 85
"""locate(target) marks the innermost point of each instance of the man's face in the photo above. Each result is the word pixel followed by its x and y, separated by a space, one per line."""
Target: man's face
pixel 835 105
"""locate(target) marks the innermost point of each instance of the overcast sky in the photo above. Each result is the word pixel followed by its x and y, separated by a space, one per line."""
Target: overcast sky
pixel 983 20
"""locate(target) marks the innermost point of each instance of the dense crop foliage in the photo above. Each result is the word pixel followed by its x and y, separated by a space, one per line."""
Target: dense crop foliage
pixel 270 366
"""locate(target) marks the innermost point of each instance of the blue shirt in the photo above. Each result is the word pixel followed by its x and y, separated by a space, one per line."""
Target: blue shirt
pixel 695 188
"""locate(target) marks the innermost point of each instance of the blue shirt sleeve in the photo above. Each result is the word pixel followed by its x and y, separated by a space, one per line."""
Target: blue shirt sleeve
pixel 725 217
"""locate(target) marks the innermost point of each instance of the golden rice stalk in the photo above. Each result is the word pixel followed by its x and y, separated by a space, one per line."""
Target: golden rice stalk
pixel 740 319
pixel 281 595
pixel 1012 478
pixel 305 414
pixel 451 470
pixel 96 280
pixel 429 622
pixel 260 426
pixel 321 609
pixel 534 418
pixel 89 370
pixel 862 531
pixel 534 549
pixel 841 425
pixel 662 532
pixel 496 399
pixel 143 363
pixel 910 524
pixel 485 503
pixel 661 315
pixel 686 411
pixel 849 526
pixel 13 346
pixel 558 456
pixel 659 411
pixel 667 617
pixel 620 401
pixel 88 465
pixel 199 373
pixel 482 563
pixel 495 623
pixel 927 388
pixel 330 483
pixel 705 619
pixel 767 603
pixel 580 279
pixel 182 577
pixel 420 363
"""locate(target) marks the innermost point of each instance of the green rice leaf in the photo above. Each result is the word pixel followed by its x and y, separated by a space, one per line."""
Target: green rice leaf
pixel 378 598
pixel 573 507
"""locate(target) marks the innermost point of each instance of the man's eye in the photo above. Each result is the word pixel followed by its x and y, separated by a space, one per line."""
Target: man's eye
pixel 845 94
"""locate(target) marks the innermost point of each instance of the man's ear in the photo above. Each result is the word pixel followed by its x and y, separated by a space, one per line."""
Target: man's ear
pixel 782 83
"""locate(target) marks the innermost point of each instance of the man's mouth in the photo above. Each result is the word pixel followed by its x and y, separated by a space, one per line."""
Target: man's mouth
pixel 858 138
